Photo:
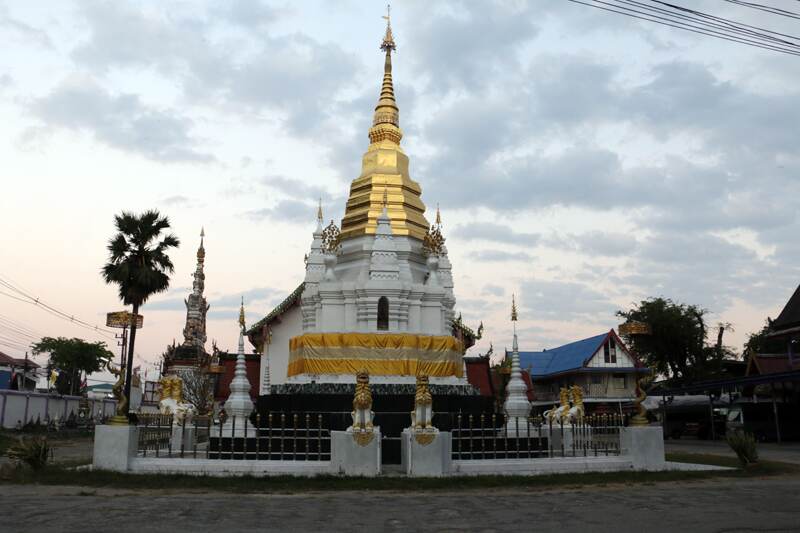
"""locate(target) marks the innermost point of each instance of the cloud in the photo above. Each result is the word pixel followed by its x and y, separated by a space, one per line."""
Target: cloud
pixel 494 290
pixel 489 231
pixel 299 189
pixel 292 75
pixel 500 256
pixel 23 31
pixel 119 120
pixel 565 301
pixel 446 42
pixel 596 243
pixel 290 211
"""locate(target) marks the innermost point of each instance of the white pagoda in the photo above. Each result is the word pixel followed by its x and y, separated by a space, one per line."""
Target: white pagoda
pixel 378 292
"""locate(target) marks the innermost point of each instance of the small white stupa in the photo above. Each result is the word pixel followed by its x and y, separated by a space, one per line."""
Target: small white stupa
pixel 517 407
pixel 238 406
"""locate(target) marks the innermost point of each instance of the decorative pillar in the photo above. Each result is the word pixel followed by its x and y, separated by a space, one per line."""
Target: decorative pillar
pixel 517 407
pixel 238 406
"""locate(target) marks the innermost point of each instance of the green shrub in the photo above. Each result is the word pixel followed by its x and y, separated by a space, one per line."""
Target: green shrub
pixel 744 444
pixel 33 451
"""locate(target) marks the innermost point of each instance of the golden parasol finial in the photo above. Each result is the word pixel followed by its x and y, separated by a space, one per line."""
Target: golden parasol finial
pixel 241 314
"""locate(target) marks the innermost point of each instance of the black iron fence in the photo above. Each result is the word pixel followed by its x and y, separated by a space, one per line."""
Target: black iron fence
pixel 273 436
pixel 478 436
pixel 306 436
pixel 155 433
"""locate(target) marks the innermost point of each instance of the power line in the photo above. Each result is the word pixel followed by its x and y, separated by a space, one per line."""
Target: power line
pixel 731 24
pixel 29 299
pixel 766 8
pixel 22 327
pixel 736 32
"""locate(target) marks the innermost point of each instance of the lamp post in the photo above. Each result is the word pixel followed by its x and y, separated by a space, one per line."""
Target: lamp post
pixel 122 320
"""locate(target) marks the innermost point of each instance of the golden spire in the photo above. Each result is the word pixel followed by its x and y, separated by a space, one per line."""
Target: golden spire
pixel 438 216
pixel 386 120
pixel 241 314
pixel 383 166
pixel 513 308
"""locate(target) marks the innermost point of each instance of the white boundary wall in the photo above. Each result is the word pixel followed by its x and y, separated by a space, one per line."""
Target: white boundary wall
pixel 23 406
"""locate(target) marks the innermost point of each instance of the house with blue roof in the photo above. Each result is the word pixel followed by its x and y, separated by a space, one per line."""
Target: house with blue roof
pixel 602 365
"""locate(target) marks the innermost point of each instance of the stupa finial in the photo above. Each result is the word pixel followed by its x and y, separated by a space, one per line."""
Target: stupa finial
pixel 388 39
pixel 386 120
pixel 319 211
pixel 513 308
pixel 438 215
pixel 241 314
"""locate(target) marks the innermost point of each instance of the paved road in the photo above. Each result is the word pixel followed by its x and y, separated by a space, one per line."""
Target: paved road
pixel 787 452
pixel 719 506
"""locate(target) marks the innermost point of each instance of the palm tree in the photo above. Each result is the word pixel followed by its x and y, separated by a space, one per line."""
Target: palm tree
pixel 139 265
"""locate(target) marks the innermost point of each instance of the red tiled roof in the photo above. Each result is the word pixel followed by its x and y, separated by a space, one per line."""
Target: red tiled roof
pixel 479 375
pixel 772 364
pixel 14 361
pixel 228 362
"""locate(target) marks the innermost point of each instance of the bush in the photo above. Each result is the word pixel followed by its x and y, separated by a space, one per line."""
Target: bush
pixel 33 451
pixel 744 444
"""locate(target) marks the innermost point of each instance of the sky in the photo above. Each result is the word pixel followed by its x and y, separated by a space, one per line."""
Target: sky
pixel 582 161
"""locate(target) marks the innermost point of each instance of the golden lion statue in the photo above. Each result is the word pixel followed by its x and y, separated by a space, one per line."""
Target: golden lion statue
pixel 362 404
pixel 422 415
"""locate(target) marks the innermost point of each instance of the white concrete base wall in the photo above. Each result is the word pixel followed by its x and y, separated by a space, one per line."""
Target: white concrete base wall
pixel 534 467
pixel 351 459
pixel 218 467
pixel 644 446
pixel 21 407
pixel 432 460
pixel 114 447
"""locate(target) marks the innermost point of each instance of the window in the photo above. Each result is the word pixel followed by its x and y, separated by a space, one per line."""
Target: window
pixel 383 313
pixel 619 381
pixel 610 351
pixel 597 379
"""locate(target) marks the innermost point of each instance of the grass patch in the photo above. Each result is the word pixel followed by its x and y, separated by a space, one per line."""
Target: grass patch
pixel 59 475
pixel 703 459
pixel 6 441
pixel 761 468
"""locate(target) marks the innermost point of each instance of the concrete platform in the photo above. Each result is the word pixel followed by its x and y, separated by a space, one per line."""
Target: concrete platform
pixel 218 467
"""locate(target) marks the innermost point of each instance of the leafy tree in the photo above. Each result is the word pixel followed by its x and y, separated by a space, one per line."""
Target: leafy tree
pixel 758 342
pixel 139 265
pixel 676 346
pixel 72 357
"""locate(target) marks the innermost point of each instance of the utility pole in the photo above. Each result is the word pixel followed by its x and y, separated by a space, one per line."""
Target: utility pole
pixel 25 373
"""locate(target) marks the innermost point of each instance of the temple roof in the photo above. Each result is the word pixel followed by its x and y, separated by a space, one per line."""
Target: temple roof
pixel 790 316
pixel 256 329
pixel 566 358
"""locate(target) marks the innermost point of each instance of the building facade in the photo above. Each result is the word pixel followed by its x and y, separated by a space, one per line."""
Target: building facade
pixel 601 365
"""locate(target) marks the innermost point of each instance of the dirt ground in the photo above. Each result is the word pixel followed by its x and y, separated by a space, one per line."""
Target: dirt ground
pixel 739 505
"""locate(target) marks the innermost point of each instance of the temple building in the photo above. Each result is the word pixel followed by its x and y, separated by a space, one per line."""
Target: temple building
pixel 378 292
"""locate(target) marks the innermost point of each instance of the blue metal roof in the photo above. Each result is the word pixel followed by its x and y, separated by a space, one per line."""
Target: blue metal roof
pixel 571 356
